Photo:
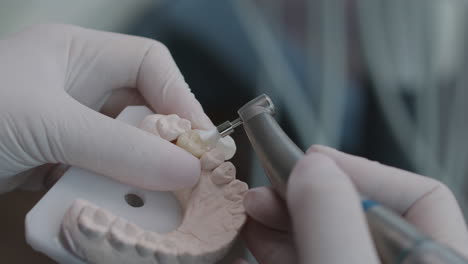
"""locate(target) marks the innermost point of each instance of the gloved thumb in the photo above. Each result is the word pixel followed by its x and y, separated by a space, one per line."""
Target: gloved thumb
pixel 90 140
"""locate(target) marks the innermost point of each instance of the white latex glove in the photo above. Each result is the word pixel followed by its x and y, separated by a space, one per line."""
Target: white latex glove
pixel 54 78
pixel 326 216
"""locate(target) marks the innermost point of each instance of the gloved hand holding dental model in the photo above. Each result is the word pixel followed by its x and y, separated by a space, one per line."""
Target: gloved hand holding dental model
pixel 55 79
pixel 327 222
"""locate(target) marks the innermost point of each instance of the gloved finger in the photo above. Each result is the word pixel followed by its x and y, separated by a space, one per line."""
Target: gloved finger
pixel 120 99
pixel 425 202
pixel 103 61
pixel 327 217
pixel 90 140
pixel 162 84
pixel 264 205
pixel 269 246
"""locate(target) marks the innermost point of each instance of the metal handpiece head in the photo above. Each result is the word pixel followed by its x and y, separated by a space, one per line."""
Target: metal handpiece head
pixel 276 151
pixel 261 104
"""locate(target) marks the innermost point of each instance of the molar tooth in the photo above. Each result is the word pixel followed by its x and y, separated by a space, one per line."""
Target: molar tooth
pixel 210 137
pixel 147 243
pixel 212 159
pixel 149 123
pixel 192 142
pixel 123 235
pixel 225 173
pixel 235 190
pixel 93 222
pixel 236 207
pixel 103 217
pixel 76 208
pixel 228 146
pixel 168 252
pixel 172 126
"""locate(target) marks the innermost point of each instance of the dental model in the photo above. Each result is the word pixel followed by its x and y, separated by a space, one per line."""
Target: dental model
pixel 213 212
pixel 149 123
pixel 168 127
pixel 172 126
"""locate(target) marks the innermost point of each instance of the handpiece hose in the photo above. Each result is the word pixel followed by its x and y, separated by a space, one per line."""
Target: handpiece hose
pixel 397 240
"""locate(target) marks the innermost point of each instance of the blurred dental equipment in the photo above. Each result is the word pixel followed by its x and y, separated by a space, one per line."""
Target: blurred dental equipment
pixel 414 53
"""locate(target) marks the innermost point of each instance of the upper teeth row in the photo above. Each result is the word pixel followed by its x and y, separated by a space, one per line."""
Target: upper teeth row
pixel 172 127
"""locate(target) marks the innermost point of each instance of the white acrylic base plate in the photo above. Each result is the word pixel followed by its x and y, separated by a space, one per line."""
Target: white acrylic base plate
pixel 161 211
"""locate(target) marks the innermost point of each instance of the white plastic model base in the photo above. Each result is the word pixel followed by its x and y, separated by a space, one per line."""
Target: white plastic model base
pixel 161 212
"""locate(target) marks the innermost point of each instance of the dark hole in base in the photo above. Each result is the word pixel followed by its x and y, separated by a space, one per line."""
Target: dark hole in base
pixel 134 200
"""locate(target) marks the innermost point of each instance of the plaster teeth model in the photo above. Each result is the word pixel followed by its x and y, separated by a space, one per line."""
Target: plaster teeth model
pixel 235 190
pixel 224 174
pixel 94 222
pixel 212 159
pixel 172 126
pixel 213 216
pixel 149 123
pixel 123 235
pixel 192 142
pixel 147 243
pixel 228 146
pixel 213 139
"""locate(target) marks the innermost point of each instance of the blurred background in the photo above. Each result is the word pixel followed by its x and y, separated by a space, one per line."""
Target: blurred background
pixel 384 79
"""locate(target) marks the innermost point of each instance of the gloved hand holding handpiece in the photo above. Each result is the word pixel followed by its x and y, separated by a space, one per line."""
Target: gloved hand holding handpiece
pixel 322 220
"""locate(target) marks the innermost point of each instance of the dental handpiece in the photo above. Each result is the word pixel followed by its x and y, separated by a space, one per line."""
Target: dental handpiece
pixel 397 241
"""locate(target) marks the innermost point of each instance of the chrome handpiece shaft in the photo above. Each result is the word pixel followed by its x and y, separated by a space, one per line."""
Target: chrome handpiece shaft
pixel 227 128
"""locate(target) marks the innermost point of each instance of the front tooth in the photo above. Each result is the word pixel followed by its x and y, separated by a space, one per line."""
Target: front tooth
pixel 149 123
pixel 147 243
pixel 192 142
pixel 123 235
pixel 94 222
pixel 168 252
pixel 228 146
pixel 212 159
pixel 76 208
pixel 235 190
pixel 172 126
pixel 224 174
